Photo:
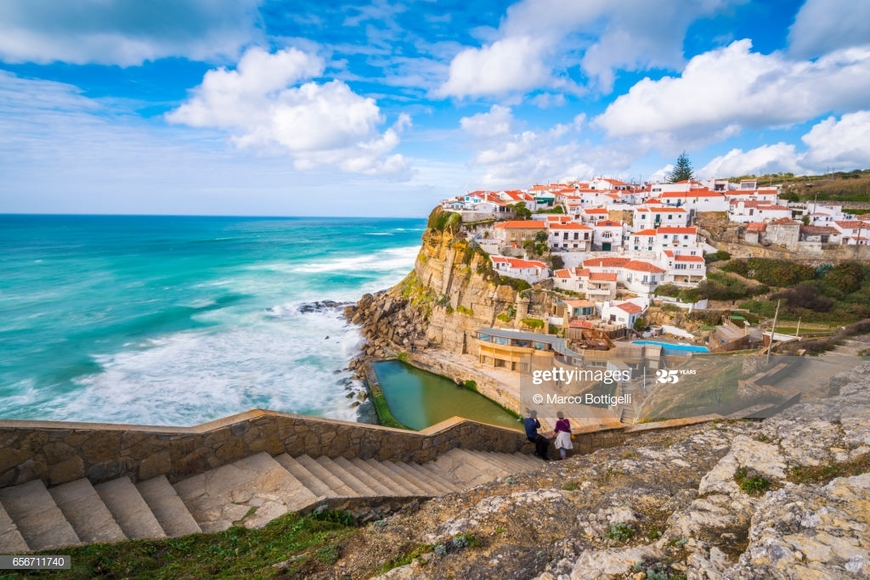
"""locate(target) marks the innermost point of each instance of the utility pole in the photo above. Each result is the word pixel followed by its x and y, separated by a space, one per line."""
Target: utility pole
pixel 772 332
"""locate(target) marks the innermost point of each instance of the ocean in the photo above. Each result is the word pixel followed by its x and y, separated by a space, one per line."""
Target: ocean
pixel 180 320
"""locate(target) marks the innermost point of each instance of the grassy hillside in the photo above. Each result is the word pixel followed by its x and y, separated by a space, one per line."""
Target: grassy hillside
pixel 839 186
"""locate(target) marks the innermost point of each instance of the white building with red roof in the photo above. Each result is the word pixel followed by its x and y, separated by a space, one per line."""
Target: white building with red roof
pixel 515 232
pixel 569 237
pixel 638 276
pixel 532 271
pixel 745 211
pixel 597 286
pixel 853 232
pixel 683 269
pixel 696 200
pixel 624 313
pixel 608 235
pixel 655 216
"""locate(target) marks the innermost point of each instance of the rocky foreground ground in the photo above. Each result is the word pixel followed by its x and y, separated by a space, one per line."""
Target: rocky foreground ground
pixel 788 497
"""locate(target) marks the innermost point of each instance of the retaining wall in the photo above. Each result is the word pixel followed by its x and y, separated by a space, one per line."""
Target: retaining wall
pixel 58 452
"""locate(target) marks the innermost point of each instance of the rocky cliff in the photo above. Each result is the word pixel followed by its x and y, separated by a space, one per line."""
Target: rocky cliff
pixel 450 294
pixel 783 498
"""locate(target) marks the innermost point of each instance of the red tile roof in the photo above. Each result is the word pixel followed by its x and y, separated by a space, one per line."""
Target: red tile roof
pixel 641 266
pixel 646 232
pixel 602 277
pixel 571 226
pixel 630 307
pixel 579 303
pixel 676 230
pixel 608 224
pixel 614 262
pixel 520 225
pixel 580 323
pixel 517 263
pixel 682 258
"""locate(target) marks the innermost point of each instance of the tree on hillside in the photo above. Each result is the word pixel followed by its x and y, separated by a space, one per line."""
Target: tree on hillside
pixel 522 211
pixel 682 170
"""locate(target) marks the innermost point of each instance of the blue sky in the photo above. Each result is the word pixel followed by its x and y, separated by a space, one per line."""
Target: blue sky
pixel 261 107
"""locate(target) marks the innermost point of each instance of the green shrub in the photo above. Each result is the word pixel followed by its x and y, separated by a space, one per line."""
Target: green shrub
pixel 620 532
pixel 751 482
pixel 533 323
pixel 669 290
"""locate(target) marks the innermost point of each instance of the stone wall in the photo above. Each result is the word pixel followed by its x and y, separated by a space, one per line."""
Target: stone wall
pixel 57 452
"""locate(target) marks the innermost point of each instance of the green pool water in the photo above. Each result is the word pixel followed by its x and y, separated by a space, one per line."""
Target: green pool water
pixel 419 399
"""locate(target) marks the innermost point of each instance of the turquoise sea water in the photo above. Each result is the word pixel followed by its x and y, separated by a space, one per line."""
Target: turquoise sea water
pixel 180 320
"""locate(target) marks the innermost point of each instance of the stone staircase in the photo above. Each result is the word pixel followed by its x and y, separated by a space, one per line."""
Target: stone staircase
pixel 248 492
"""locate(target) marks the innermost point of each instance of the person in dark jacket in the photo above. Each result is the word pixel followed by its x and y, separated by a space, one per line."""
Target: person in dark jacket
pixel 542 444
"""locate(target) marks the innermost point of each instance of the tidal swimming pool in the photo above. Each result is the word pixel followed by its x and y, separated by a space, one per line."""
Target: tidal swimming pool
pixel 419 399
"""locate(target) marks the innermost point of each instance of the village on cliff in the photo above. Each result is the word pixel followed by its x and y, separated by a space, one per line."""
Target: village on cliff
pixel 613 243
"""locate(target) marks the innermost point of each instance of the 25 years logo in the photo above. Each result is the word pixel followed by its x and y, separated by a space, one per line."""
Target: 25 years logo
pixel 667 376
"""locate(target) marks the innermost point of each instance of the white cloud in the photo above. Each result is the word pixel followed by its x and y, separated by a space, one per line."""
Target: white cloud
pixel 63 152
pixel 508 156
pixel 830 143
pixel 506 65
pixel 780 157
pixel 629 35
pixel 125 32
pixel 822 26
pixel 723 90
pixel 842 144
pixel 498 121
pixel 318 124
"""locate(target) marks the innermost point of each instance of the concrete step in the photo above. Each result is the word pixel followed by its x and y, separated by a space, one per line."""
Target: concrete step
pixel 11 541
pixel 430 476
pixel 308 479
pixel 395 476
pixel 129 509
pixel 335 484
pixel 253 491
pixel 494 459
pixel 529 461
pixel 86 512
pixel 347 477
pixel 428 487
pixel 465 470
pixel 171 513
pixel 39 521
pixel 383 476
pixel 425 480
pixel 372 483
pixel 511 463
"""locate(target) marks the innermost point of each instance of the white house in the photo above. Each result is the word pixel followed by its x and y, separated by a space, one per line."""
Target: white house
pixel 853 232
pixel 624 313
pixel 683 269
pixel 593 215
pixel 655 216
pixel 515 232
pixel 597 286
pixel 677 239
pixel 745 211
pixel 569 237
pixel 608 235
pixel 696 199
pixel 642 277
pixel 531 271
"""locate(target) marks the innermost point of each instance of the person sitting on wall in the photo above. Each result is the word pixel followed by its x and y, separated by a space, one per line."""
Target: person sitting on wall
pixel 563 435
pixel 542 444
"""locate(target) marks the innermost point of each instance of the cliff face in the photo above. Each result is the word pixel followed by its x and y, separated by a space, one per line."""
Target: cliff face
pixel 450 294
